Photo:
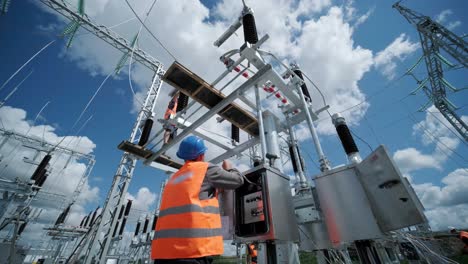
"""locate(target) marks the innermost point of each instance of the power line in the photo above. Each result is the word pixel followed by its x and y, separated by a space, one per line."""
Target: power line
pixel 149 31
pixel 434 138
pixel 453 132
pixel 26 63
pixel 133 52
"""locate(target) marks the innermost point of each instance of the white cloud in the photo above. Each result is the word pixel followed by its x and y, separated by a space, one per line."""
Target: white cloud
pixel 399 49
pixel 143 201
pixel 297 33
pixel 445 203
pixel 442 18
pixel 435 131
pixel 454 24
pixel 410 159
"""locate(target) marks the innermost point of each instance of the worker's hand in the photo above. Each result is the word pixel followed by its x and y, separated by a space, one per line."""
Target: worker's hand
pixel 227 165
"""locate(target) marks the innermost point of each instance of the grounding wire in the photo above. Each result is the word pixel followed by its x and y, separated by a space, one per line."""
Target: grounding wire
pixel 26 63
pixel 149 31
pixel 365 142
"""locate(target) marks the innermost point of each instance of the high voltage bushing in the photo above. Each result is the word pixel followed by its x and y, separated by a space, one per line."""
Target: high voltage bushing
pixel 121 212
pixel 250 29
pixel 93 217
pixel 293 160
pixel 235 132
pixel 45 161
pixel 155 220
pixel 88 217
pixel 127 207
pixel 21 228
pixel 42 178
pixel 145 226
pixel 182 102
pixel 62 216
pixel 146 132
pixel 115 229
pixel 304 88
pixel 137 228
pixel 122 226
pixel 82 221
pixel 344 134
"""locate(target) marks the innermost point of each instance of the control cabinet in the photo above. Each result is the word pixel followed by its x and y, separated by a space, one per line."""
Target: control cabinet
pixel 264 208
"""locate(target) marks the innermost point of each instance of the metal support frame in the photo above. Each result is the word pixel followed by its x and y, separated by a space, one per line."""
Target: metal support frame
pixel 99 248
pixel 433 37
pixel 300 177
pixel 105 34
pixel 256 79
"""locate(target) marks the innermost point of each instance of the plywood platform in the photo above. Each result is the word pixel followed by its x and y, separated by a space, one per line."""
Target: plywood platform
pixel 143 153
pixel 192 85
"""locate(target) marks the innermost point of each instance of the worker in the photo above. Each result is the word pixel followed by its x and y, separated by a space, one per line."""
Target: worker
pixel 463 236
pixel 189 224
pixel 252 254
pixel 170 131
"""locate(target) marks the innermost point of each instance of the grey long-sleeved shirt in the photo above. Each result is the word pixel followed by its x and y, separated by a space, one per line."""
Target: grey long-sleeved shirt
pixel 218 178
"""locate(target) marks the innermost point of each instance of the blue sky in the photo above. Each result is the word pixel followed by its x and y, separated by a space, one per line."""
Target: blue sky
pixel 66 79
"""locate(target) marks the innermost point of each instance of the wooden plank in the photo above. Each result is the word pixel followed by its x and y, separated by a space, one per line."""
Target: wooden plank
pixel 196 88
pixel 143 153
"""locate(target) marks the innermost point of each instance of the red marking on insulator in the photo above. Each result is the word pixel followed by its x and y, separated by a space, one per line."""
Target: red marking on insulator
pixel 226 62
pixel 245 74
pixel 237 69
pixel 296 111
pixel 284 101
pixel 271 89
pixel 265 88
pixel 278 95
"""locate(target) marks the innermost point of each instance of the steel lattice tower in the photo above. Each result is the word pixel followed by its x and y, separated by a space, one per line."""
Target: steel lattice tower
pixel 434 37
pixel 99 242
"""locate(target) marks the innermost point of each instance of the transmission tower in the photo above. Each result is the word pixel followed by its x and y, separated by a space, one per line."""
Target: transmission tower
pixel 100 238
pixel 434 37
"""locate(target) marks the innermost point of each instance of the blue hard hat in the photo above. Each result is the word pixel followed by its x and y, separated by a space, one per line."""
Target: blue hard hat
pixel 191 147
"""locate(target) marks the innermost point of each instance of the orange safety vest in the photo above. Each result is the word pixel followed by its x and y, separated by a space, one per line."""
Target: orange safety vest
pixel 252 250
pixel 171 111
pixel 464 238
pixel 187 227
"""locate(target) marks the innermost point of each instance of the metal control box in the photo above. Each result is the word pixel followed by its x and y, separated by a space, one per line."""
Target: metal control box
pixel 393 201
pixel 263 207
pixel 362 201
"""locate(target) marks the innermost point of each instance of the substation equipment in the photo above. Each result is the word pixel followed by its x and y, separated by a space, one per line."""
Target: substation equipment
pixel 21 200
pixel 357 203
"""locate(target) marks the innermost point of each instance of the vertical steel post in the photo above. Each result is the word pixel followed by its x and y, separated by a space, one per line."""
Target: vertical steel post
pixel 271 139
pixel 261 129
pixel 324 164
pixel 99 248
pixel 300 177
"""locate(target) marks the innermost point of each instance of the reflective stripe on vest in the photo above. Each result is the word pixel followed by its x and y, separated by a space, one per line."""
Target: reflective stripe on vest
pixel 188 233
pixel 187 227
pixel 190 208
